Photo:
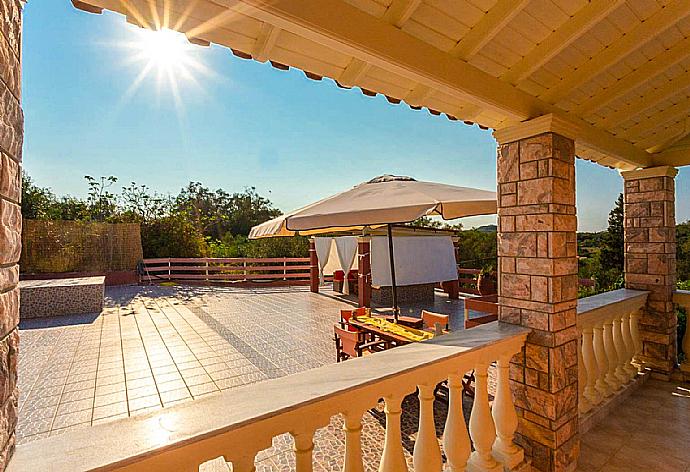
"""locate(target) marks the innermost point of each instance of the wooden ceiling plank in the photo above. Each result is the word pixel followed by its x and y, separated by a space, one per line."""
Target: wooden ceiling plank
pixel 648 70
pixel 628 43
pixel 493 22
pixel 354 72
pixel 400 11
pixel 659 119
pixel 666 137
pixel 417 95
pixel 560 39
pixel 265 42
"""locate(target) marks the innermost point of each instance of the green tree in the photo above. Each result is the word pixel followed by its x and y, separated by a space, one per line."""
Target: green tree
pixel 683 251
pixel 219 212
pixel 477 249
pixel 37 202
pixel 612 251
pixel 172 236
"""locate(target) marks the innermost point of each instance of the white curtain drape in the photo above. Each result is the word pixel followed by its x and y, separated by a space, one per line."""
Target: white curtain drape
pixel 418 260
pixel 347 249
pixel 323 250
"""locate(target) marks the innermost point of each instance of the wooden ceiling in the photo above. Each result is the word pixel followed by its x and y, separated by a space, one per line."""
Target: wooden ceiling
pixel 618 72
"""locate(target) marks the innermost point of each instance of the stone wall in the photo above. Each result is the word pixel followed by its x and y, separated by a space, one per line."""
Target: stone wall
pixel 11 135
pixel 538 289
pixel 650 259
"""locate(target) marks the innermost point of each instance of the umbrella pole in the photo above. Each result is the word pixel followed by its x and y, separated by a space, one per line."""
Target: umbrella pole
pixel 391 259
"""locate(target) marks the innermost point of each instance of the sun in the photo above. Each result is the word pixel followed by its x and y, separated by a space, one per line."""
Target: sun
pixel 166 58
pixel 164 49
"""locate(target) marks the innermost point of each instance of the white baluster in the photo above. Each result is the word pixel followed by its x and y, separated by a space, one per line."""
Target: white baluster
pixel 629 346
pixel 482 428
pixel 427 454
pixel 619 346
pixel 304 445
pixel 393 458
pixel 591 367
pixel 637 341
pixel 583 404
pixel 456 441
pixel 505 419
pixel 352 426
pixel 611 357
pixel 601 385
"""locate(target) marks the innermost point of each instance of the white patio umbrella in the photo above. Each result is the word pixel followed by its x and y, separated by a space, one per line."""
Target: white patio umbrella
pixel 383 201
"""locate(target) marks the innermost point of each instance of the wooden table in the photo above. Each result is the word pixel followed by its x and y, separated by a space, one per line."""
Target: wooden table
pixel 395 339
pixel 410 321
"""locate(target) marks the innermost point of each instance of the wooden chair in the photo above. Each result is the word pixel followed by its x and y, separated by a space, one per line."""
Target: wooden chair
pixel 431 319
pixel 346 315
pixel 350 344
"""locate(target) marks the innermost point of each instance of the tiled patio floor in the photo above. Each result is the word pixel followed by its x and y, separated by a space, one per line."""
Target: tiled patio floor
pixel 157 346
pixel 649 431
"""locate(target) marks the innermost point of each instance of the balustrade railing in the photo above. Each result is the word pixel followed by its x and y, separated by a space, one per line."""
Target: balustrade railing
pixel 609 343
pixel 239 423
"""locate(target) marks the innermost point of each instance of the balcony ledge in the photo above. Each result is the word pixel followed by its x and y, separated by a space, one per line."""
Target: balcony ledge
pixel 184 436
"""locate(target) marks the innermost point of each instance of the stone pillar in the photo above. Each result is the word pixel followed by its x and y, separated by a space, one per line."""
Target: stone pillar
pixel 538 286
pixel 313 267
pixel 650 260
pixel 364 272
pixel 11 135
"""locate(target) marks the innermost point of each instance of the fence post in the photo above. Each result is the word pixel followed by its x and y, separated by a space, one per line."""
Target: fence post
pixel 284 269
pixel 169 270
pixel 207 281
pixel 313 267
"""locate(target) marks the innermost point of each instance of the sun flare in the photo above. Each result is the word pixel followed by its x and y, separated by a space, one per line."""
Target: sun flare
pixel 165 57
pixel 165 49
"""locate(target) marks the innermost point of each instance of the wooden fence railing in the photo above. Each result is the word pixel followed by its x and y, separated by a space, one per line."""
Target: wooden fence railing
pixel 467 278
pixel 218 270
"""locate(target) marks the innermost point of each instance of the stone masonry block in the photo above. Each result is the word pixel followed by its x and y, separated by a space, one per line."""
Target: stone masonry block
pixel 9 277
pixel 508 163
pixel 537 147
pixel 9 67
pixel 10 178
pixel 11 123
pixel 517 244
pixel 517 285
pixel 10 232
pixel 9 311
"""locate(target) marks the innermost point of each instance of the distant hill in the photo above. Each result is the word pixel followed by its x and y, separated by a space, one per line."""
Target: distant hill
pixel 487 229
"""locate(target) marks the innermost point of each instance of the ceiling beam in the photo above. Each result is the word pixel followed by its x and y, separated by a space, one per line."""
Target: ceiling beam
pixel 354 71
pixel 417 95
pixel 644 32
pixel 576 26
pixel 650 69
pixel 265 42
pixel 397 14
pixel 676 157
pixel 680 134
pixel 487 28
pixel 400 11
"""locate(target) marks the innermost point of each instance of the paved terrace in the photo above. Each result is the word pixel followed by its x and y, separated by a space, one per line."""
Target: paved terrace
pixel 153 347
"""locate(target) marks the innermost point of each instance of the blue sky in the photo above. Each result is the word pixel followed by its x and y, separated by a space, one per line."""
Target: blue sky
pixel 243 124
